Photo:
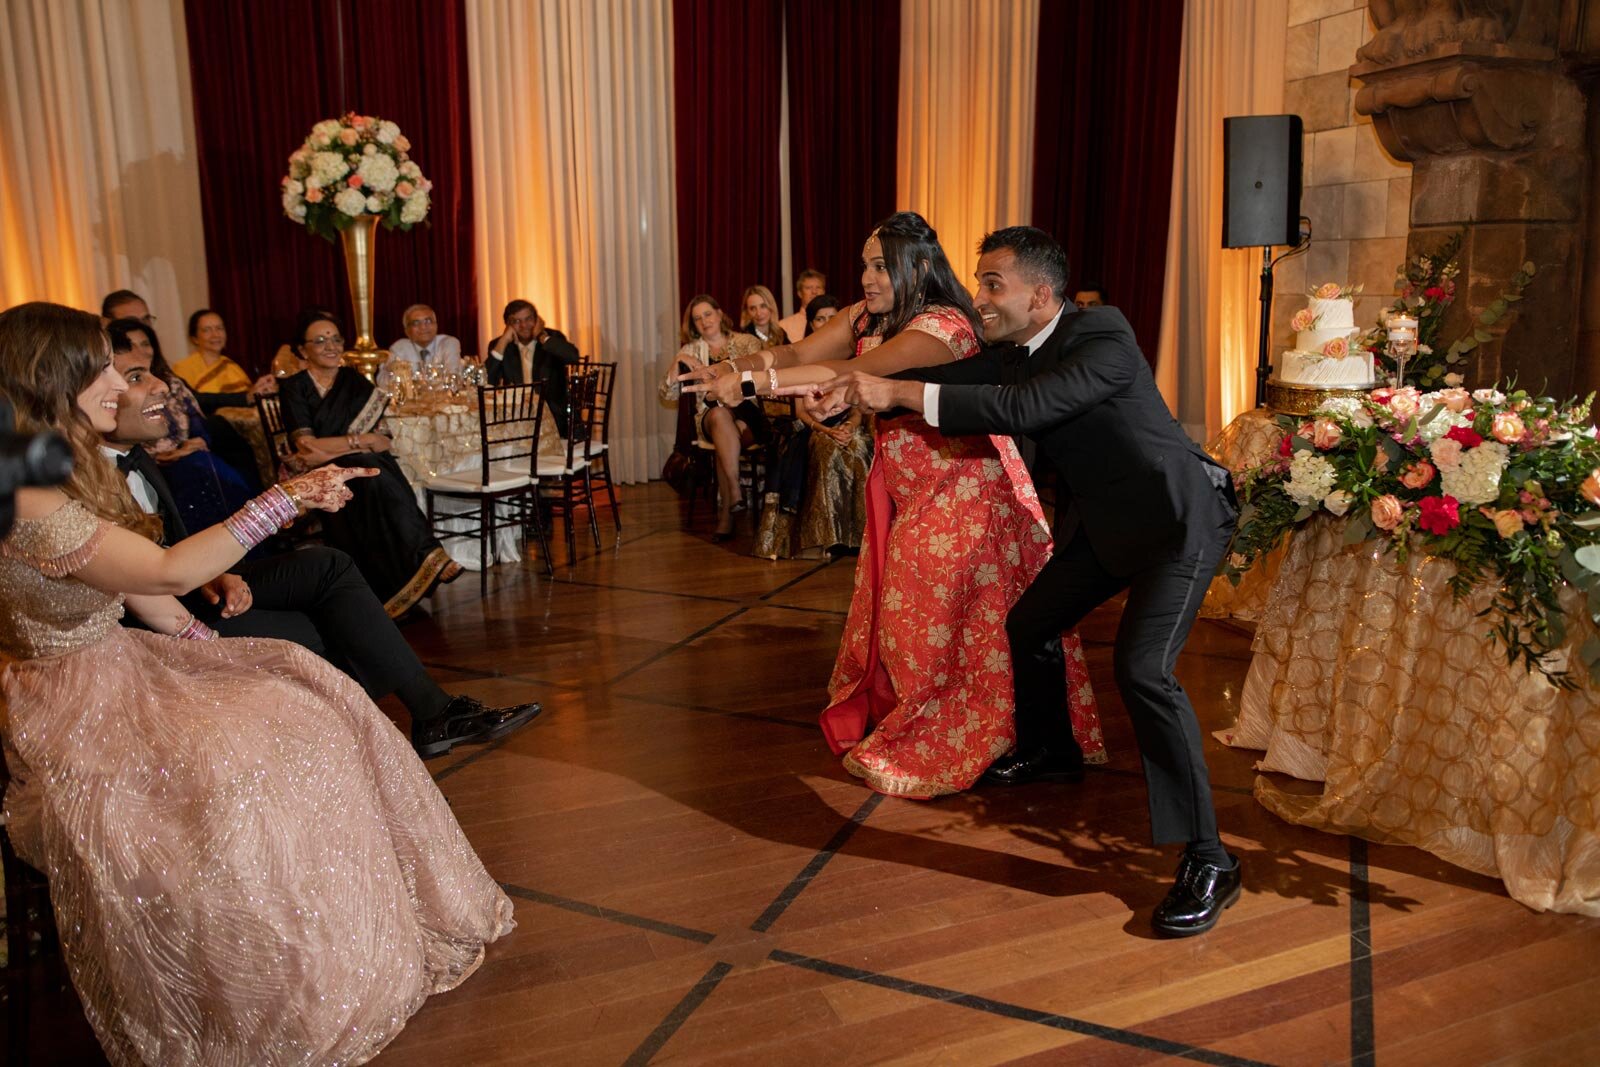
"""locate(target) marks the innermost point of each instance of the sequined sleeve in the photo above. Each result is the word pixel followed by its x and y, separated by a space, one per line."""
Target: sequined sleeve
pixel 59 544
pixel 949 326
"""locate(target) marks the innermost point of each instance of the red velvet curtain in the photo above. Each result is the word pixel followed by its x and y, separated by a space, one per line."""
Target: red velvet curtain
pixel 1103 136
pixel 263 75
pixel 844 105
pixel 727 79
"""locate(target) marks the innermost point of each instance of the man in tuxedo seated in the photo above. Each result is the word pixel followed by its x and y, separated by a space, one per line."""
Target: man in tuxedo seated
pixel 314 597
pixel 1145 510
pixel 423 345
pixel 529 351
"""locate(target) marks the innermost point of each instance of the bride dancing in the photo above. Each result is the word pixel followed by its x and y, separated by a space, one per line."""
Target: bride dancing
pixel 921 702
pixel 247 861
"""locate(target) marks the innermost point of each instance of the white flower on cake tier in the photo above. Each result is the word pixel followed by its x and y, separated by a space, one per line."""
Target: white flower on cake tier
pixel 1476 479
pixel 1310 478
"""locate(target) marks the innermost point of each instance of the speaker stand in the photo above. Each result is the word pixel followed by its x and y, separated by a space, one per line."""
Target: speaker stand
pixel 1264 339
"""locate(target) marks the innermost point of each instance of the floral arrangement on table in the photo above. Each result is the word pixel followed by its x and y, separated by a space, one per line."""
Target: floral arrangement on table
pixel 1427 287
pixel 1504 485
pixel 353 166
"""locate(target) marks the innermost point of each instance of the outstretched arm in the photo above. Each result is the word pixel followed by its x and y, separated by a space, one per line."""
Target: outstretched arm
pixel 1093 373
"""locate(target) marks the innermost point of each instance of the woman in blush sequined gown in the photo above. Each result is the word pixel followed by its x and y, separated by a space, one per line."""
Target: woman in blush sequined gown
pixel 921 697
pixel 247 862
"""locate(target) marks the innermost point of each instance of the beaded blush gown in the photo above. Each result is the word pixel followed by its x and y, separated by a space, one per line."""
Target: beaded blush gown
pixel 247 861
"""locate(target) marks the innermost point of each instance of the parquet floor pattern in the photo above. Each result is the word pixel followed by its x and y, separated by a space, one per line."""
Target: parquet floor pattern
pixel 699 882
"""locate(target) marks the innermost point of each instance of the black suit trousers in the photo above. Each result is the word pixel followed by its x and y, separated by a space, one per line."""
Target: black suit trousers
pixel 1163 600
pixel 316 597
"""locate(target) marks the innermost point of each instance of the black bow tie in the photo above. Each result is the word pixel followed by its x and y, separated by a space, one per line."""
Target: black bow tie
pixel 128 461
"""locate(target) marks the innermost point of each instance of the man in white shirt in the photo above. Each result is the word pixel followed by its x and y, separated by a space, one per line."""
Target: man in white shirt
pixel 530 351
pixel 423 345
pixel 810 285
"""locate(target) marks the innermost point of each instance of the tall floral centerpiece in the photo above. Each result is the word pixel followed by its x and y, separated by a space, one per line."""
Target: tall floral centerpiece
pixel 350 174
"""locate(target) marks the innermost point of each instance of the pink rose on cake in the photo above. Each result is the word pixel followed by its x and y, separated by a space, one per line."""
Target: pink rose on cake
pixel 1337 348
pixel 1328 291
pixel 1302 321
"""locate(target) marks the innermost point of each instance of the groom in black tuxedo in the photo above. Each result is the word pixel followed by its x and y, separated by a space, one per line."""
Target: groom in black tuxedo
pixel 315 597
pixel 1143 509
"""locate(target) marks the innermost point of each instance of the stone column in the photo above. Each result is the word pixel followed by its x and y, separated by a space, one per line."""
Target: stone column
pixel 1481 106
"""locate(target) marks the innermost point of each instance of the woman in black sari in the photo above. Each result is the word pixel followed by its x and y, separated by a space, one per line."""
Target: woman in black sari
pixel 332 414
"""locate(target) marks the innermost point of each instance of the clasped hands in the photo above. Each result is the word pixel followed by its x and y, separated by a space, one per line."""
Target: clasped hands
pixel 851 389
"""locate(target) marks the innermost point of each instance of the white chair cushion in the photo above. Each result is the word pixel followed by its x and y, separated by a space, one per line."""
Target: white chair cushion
pixel 554 468
pixel 501 476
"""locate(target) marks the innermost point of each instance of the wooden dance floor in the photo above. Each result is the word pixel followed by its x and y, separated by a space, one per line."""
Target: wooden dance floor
pixel 698 881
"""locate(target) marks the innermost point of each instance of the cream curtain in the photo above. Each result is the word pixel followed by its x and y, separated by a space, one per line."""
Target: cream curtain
pixel 573 178
pixel 1232 65
pixel 100 188
pixel 965 149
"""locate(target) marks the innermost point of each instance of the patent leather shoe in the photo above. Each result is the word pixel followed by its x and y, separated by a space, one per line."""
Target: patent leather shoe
pixel 1035 765
pixel 1199 895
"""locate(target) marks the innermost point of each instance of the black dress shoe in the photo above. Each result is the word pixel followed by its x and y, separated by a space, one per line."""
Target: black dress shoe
pixel 466 721
pixel 1036 765
pixel 1199 895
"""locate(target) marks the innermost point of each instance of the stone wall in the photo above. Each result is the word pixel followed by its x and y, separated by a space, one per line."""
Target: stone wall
pixel 1357 197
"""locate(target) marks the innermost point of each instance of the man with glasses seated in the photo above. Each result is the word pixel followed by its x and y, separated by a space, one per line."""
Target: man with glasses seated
pixel 529 351
pixel 423 345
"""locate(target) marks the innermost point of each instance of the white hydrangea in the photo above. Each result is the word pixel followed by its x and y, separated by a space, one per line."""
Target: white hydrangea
pixel 415 209
pixel 292 187
pixel 1349 407
pixel 1476 479
pixel 327 168
pixel 1442 423
pixel 387 132
pixel 327 127
pixel 378 172
pixel 410 170
pixel 1310 478
pixel 374 205
pixel 350 201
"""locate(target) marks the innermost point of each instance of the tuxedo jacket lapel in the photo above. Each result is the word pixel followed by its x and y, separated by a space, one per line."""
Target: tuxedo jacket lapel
pixel 172 523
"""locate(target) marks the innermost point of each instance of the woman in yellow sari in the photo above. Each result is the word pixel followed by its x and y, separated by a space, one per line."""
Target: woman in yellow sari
pixel 216 379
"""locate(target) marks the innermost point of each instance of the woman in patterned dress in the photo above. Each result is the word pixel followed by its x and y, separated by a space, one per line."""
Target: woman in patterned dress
pixel 921 697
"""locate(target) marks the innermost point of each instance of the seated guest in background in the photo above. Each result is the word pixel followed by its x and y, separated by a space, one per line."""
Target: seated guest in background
pixel 423 345
pixel 333 416
pixel 529 351
pixel 1089 295
pixel 810 285
pixel 758 316
pixel 248 863
pixel 125 304
pixel 708 337
pixel 207 488
pixel 816 499
pixel 218 380
pixel 314 596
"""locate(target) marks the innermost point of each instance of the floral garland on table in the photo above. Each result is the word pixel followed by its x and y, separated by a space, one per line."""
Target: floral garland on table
pixel 1505 486
pixel 353 166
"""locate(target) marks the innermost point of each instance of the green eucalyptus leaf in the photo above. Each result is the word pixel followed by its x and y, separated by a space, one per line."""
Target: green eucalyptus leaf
pixel 1483 336
pixel 1589 556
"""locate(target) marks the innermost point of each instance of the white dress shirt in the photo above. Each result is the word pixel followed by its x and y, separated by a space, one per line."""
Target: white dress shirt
pixel 445 351
pixel 144 494
pixel 930 392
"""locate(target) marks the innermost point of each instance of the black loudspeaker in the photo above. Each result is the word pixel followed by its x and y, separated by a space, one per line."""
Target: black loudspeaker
pixel 1261 175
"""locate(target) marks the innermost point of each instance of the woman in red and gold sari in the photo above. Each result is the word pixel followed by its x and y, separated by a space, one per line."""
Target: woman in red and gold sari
pixel 920 701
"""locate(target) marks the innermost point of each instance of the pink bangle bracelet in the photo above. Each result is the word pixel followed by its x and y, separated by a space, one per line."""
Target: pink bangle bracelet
pixel 261 517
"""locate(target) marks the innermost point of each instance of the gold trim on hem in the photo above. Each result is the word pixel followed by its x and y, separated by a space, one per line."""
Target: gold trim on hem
pixel 415 589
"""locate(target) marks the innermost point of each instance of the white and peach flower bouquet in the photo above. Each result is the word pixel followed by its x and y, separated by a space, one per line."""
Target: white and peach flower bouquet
pixel 353 166
pixel 1503 484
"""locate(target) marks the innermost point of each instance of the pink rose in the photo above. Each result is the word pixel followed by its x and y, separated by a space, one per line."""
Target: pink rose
pixel 1506 522
pixel 1327 291
pixel 313 196
pixel 358 121
pixel 1302 320
pixel 348 136
pixel 1381 394
pixel 1405 403
pixel 1417 475
pixel 355 181
pixel 1387 511
pixel 1590 489
pixel 1446 453
pixel 404 189
pixel 1380 461
pixel 1337 348
pixel 1439 514
pixel 401 144
pixel 1455 399
pixel 1325 433
pixel 1508 428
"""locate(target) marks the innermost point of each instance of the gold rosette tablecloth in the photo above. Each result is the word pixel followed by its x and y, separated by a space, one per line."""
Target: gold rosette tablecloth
pixel 442 436
pixel 1370 677
pixel 1248 441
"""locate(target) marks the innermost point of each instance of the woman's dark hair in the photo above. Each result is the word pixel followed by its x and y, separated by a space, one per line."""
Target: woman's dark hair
pixel 122 331
pixel 194 320
pixel 306 318
pixel 920 273
pixel 819 303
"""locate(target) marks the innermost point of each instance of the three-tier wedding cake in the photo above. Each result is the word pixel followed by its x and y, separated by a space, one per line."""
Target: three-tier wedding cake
pixel 1325 355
